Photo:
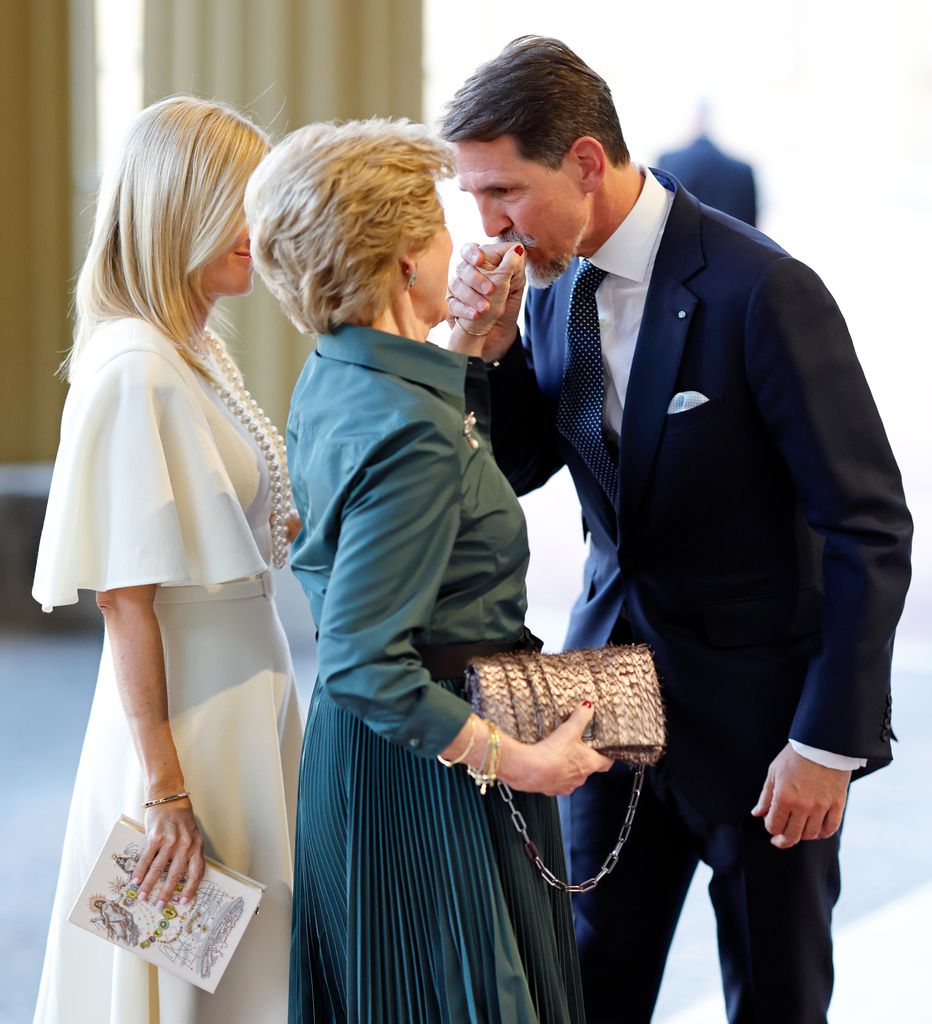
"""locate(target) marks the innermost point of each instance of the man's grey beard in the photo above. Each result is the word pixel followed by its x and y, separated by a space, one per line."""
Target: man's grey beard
pixel 540 276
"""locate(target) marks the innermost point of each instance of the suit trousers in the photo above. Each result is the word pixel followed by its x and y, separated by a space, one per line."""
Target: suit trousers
pixel 773 907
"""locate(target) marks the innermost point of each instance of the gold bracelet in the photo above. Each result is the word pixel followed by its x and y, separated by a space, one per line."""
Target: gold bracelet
pixel 479 771
pixel 496 758
pixel 485 776
pixel 183 795
pixel 472 334
pixel 466 749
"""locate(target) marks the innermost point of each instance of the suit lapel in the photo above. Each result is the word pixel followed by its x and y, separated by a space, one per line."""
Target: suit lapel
pixel 668 315
pixel 546 315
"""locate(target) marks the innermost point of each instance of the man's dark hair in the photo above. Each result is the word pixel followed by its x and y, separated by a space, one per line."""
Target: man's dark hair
pixel 539 92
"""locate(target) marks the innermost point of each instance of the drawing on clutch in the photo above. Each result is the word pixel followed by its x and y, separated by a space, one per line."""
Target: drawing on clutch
pixel 194 940
pixel 117 923
pixel 193 936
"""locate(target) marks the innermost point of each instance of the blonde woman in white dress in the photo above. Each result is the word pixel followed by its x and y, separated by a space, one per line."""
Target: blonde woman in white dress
pixel 170 498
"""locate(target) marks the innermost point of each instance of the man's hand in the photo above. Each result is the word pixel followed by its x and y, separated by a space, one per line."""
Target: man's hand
pixel 469 289
pixel 801 799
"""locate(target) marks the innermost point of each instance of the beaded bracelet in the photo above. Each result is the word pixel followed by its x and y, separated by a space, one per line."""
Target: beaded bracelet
pixel 486 776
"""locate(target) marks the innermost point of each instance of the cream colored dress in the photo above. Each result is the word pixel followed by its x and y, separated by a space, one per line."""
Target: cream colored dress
pixel 157 482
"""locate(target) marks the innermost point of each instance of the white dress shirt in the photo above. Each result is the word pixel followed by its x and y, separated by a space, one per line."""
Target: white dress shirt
pixel 628 257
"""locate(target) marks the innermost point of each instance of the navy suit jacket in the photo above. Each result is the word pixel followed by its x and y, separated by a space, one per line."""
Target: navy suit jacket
pixel 760 542
pixel 715 178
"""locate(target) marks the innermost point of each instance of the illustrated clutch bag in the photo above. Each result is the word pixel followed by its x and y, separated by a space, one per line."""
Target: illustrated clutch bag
pixel 194 941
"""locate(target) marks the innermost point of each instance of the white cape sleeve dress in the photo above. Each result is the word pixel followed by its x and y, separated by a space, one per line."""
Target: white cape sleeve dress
pixel 156 482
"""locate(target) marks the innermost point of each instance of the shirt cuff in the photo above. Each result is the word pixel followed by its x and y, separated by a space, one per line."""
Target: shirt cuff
pixel 435 723
pixel 827 759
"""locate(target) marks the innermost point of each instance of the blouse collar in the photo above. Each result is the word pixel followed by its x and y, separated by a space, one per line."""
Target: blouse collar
pixel 420 362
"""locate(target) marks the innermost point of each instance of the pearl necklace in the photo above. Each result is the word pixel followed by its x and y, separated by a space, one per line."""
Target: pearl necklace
pixel 270 442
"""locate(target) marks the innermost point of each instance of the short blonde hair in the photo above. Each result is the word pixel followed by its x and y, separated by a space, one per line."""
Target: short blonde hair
pixel 171 203
pixel 333 207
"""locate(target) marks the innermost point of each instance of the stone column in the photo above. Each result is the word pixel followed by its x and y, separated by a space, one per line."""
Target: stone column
pixel 40 197
pixel 47 180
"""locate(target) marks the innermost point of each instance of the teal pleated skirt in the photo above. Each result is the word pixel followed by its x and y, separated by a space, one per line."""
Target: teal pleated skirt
pixel 414 902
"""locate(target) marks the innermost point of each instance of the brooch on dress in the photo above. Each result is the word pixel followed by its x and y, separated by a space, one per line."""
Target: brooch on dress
pixel 468 423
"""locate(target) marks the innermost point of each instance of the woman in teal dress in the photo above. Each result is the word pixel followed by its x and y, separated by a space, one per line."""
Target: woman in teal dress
pixel 414 900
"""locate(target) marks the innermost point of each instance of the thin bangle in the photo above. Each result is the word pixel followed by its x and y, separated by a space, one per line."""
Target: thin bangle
pixel 462 757
pixel 183 795
pixel 472 334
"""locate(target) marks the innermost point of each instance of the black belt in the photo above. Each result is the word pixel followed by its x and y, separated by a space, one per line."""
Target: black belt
pixel 449 661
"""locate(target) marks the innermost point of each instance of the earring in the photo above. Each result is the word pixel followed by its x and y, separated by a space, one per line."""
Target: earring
pixel 412 279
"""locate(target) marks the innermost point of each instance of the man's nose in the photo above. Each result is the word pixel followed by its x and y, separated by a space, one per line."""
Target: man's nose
pixel 495 221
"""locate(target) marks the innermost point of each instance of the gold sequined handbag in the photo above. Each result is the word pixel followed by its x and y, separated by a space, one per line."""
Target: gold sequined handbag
pixel 529 694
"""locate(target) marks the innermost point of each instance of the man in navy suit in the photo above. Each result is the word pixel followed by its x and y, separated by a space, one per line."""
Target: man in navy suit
pixel 745 514
pixel 715 178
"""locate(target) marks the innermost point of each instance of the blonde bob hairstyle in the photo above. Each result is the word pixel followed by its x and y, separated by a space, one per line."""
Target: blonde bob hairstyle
pixel 171 203
pixel 333 208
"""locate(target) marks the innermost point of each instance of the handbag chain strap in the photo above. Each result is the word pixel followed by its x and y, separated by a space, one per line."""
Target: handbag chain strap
pixel 608 865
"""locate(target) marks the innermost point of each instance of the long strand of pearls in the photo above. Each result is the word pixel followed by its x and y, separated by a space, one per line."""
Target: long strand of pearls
pixel 270 442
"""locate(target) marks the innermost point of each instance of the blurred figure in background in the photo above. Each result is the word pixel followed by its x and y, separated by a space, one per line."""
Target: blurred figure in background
pixel 713 177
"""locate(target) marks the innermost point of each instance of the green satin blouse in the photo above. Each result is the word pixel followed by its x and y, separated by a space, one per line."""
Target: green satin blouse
pixel 411 533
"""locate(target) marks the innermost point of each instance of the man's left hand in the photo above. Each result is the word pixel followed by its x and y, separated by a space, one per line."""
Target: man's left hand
pixel 801 799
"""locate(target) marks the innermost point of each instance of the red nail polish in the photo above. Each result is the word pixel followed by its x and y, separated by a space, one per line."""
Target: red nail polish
pixel 587 703
pixel 519 249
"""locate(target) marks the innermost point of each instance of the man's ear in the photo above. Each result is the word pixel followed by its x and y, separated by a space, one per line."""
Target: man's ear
pixel 588 159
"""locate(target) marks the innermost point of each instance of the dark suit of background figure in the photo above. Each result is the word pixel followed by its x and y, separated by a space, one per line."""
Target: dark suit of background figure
pixel 760 545
pixel 714 178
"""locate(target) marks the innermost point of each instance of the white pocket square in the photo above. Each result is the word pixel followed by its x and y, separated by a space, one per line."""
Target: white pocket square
pixel 684 401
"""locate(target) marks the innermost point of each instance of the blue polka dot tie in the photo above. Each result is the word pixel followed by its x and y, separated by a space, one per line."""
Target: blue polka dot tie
pixel 579 413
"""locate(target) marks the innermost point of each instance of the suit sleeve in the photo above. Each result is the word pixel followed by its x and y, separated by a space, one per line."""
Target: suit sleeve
pixel 524 434
pixel 815 401
pixel 397 532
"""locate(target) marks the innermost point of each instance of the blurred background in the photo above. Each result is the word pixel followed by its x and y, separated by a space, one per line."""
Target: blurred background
pixel 831 108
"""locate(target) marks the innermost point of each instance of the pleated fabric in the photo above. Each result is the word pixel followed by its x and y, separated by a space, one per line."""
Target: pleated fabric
pixel 414 900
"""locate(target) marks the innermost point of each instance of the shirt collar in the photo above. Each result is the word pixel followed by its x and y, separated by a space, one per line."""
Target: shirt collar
pixel 627 251
pixel 423 363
